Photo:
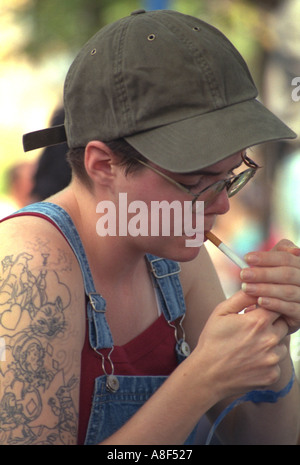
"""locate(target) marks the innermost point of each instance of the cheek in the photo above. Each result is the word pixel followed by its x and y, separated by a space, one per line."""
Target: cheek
pixel 154 205
pixel 220 206
pixel 148 186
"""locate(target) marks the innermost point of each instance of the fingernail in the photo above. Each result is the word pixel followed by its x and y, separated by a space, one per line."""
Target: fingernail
pixel 252 258
pixel 263 301
pixel 249 288
pixel 250 308
pixel 247 274
pixel 295 251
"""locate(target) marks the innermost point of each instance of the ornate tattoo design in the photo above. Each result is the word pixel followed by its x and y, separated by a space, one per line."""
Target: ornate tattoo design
pixel 36 380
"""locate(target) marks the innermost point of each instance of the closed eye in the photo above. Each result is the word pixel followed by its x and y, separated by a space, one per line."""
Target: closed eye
pixel 206 180
pixel 209 177
pixel 194 186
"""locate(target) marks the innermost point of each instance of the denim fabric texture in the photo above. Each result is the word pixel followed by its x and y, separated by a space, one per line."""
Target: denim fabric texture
pixel 110 410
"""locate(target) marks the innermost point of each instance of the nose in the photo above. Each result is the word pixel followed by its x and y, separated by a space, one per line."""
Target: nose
pixel 220 204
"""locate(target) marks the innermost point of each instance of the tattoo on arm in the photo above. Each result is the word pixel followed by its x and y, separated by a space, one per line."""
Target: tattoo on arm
pixel 36 367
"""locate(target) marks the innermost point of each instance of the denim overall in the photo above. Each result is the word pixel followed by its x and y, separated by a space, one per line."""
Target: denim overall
pixel 117 398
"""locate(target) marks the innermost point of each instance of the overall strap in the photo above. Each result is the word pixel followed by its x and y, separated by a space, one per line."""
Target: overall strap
pixel 99 332
pixel 166 275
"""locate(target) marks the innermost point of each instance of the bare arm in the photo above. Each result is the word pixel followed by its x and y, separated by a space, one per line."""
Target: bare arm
pixel 263 423
pixel 233 355
pixel 41 305
pixel 250 423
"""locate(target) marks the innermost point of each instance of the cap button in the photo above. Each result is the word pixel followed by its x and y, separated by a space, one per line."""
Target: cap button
pixel 138 12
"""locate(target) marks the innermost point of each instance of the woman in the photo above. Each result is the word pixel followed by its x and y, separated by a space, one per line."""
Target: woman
pixel 109 310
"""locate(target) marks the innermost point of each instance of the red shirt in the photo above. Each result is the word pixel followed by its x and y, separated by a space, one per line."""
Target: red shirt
pixel 151 353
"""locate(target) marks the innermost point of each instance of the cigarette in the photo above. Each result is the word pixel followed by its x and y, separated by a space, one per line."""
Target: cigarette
pixel 226 250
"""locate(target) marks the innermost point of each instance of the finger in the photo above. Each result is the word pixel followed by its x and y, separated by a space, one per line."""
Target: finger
pixel 288 246
pixel 285 292
pixel 280 257
pixel 241 301
pixel 236 303
pixel 272 274
pixel 263 317
pixel 289 309
pixel 250 308
pixel 281 329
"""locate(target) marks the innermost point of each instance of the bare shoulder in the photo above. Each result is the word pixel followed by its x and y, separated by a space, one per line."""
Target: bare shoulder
pixel 202 291
pixel 41 334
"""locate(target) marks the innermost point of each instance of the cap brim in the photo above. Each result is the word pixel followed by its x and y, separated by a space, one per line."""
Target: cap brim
pixel 203 140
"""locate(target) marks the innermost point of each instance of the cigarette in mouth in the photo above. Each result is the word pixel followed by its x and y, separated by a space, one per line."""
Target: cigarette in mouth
pixel 226 250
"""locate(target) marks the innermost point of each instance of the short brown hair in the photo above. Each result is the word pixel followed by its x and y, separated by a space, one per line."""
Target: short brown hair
pixel 127 154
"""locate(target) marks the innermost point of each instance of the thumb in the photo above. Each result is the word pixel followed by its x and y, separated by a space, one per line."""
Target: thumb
pixel 241 301
pixel 236 303
pixel 286 245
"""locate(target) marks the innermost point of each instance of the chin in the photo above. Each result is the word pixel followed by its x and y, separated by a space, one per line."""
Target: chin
pixel 178 251
pixel 188 257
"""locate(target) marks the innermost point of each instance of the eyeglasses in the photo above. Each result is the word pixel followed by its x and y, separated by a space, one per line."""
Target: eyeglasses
pixel 232 185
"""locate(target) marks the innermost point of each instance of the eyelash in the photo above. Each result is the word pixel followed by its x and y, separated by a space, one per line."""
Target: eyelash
pixel 198 184
pixel 193 186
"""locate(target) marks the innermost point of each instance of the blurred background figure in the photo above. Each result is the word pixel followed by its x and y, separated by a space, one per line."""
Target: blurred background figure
pixel 53 172
pixel 31 181
pixel 19 183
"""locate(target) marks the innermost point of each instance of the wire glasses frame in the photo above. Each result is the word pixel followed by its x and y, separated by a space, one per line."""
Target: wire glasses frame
pixel 232 185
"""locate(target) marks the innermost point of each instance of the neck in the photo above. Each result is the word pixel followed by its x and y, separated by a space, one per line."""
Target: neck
pixel 123 260
pixel 118 267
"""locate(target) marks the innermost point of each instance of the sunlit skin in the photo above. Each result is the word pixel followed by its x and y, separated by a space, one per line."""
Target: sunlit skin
pixel 148 186
pixel 232 353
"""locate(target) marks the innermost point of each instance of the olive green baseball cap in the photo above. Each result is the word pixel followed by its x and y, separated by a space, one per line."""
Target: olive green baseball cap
pixel 172 85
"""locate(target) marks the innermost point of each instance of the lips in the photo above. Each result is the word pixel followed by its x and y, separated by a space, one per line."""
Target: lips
pixel 209 222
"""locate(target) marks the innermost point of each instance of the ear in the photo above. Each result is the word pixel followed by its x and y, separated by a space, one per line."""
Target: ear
pixel 99 161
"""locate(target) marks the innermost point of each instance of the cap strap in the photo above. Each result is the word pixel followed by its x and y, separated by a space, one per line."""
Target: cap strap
pixel 44 138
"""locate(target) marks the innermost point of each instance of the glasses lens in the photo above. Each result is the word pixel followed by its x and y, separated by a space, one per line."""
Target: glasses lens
pixel 239 182
pixel 233 186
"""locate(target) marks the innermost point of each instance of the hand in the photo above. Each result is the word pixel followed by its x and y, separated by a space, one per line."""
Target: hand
pixel 243 351
pixel 274 280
